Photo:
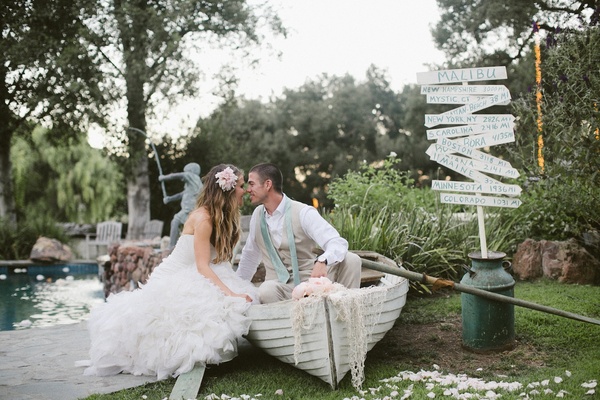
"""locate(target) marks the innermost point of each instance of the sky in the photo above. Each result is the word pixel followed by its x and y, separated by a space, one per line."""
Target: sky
pixel 336 37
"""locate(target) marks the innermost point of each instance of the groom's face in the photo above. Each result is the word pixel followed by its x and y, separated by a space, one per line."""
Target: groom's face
pixel 257 189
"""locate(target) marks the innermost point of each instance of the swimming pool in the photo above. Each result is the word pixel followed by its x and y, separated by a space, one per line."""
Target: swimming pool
pixel 47 295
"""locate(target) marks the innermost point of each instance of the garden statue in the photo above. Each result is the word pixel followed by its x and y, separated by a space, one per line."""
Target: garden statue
pixel 191 189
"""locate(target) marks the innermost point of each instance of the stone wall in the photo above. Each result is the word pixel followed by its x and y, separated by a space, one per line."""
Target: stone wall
pixel 129 265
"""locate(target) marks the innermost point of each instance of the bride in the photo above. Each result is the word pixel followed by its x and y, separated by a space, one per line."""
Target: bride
pixel 192 309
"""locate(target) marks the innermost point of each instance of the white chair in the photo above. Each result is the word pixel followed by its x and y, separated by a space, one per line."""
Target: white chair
pixel 153 229
pixel 107 232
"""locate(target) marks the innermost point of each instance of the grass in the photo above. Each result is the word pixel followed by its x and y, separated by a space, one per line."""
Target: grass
pixel 547 347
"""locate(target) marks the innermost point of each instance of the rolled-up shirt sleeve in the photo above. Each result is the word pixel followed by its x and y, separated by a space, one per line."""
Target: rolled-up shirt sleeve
pixel 324 234
pixel 251 254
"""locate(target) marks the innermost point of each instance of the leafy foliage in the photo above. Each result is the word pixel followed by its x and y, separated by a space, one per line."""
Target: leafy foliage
pixel 475 31
pixel 68 181
pixel 385 186
pixel 46 75
pixel 377 209
pixel 561 200
pixel 314 133
pixel 16 241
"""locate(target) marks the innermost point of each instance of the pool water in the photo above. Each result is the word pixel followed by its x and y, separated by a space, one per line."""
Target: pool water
pixel 48 295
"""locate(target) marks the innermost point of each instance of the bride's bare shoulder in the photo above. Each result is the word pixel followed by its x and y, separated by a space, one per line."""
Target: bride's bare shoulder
pixel 195 219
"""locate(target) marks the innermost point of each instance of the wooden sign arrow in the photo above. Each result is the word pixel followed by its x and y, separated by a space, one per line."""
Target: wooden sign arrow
pixel 448 146
pixel 476 187
pixel 462 89
pixel 482 201
pixel 446 161
pixel 484 166
pixel 454 98
pixel 461 75
pixel 441 119
pixel 486 139
pixel 464 130
pixel 489 101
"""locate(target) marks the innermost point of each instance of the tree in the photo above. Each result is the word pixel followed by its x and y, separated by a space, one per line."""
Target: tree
pixel 46 76
pixel 313 133
pixel 67 180
pixel 499 32
pixel 146 45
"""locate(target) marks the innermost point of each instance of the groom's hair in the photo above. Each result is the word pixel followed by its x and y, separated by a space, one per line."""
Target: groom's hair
pixel 271 172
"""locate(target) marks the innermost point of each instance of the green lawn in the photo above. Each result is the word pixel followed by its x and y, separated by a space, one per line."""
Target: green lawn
pixel 554 356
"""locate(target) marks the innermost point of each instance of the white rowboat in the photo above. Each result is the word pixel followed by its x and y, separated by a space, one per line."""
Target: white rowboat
pixel 329 345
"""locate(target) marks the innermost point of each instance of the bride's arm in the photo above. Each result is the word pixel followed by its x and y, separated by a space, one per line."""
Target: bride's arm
pixel 202 229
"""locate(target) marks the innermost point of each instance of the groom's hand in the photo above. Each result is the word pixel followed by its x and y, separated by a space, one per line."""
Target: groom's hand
pixel 319 270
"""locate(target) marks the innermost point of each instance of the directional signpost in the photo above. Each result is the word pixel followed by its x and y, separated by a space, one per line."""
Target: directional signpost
pixel 462 136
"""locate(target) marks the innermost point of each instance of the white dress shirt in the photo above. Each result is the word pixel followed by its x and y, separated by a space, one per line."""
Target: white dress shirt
pixel 314 225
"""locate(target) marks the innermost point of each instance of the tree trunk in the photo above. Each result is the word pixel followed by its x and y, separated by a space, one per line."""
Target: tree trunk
pixel 138 182
pixel 7 127
pixel 138 198
pixel 7 198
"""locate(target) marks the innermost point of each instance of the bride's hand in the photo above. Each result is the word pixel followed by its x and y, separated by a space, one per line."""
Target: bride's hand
pixel 243 296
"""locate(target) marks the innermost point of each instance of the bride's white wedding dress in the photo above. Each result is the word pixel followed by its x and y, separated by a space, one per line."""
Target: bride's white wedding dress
pixel 178 318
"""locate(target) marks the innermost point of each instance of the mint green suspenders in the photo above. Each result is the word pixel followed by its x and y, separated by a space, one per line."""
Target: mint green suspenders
pixel 282 272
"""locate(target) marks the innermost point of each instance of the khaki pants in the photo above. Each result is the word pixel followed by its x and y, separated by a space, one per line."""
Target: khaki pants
pixel 346 273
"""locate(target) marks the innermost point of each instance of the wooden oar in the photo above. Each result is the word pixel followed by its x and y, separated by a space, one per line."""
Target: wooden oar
pixel 438 283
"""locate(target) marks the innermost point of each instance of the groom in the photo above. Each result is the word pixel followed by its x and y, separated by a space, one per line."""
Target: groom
pixel 283 234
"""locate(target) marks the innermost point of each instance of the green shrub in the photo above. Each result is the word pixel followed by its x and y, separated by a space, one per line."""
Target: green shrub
pixel 16 241
pixel 371 186
pixel 409 224
pixel 556 208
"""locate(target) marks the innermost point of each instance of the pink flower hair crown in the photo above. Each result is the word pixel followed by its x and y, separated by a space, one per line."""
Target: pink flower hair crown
pixel 226 179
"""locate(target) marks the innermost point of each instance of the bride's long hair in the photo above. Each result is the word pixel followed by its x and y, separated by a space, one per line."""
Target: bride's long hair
pixel 224 210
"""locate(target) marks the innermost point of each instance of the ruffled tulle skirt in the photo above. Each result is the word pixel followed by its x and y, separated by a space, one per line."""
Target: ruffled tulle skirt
pixel 177 319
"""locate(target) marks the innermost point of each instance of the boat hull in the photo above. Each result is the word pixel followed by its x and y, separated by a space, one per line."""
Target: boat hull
pixel 328 349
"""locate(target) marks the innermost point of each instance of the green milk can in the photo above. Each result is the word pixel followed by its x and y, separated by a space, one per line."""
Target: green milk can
pixel 488 325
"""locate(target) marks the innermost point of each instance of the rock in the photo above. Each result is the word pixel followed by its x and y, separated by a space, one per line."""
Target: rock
pixel 570 263
pixel 565 261
pixel 527 261
pixel 50 250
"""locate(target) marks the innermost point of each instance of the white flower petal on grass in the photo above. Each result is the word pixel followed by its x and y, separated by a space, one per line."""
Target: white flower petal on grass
pixel 548 391
pixel 279 392
pixel 568 373
pixel 534 392
pixel 431 395
pixel 490 394
pixel 557 379
pixel 533 385
pixel 590 385
pixel 545 382
pixel 394 393
pixel 590 392
pixel 561 393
